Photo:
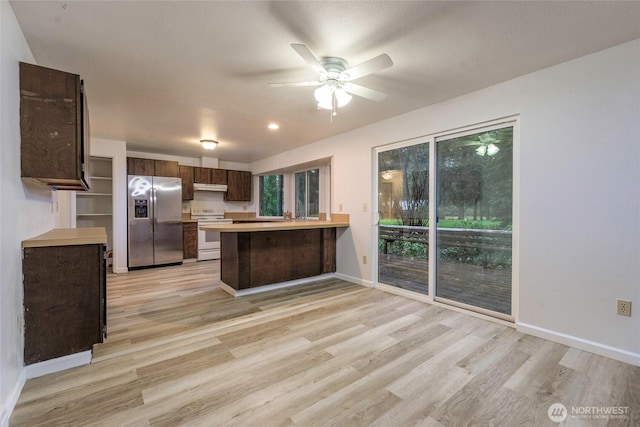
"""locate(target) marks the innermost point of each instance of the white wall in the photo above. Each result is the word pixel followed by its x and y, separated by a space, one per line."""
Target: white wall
pixel 579 197
pixel 26 211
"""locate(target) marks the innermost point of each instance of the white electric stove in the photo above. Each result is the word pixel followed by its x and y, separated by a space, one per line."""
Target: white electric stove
pixel 208 241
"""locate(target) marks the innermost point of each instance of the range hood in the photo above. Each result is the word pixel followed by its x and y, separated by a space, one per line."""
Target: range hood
pixel 209 187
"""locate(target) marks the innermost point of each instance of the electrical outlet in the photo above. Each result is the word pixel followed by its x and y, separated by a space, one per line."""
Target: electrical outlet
pixel 340 207
pixel 624 307
pixel 364 259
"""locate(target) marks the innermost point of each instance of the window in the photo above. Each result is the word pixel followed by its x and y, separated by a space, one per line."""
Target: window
pixel 307 193
pixel 271 195
pixel 302 190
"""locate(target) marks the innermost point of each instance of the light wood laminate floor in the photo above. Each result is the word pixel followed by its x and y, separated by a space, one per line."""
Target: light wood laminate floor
pixel 181 351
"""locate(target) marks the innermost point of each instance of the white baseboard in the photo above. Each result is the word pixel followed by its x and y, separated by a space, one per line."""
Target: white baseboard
pixel 10 404
pixel 121 270
pixel 250 291
pixel 580 343
pixel 356 280
pixel 58 364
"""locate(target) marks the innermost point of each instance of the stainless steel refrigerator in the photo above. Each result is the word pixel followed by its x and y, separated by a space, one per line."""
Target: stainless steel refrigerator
pixel 155 220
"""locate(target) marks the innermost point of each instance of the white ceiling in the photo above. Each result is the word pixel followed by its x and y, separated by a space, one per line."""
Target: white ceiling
pixel 162 75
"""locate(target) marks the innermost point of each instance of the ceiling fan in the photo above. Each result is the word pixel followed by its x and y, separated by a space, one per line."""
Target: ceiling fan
pixel 334 78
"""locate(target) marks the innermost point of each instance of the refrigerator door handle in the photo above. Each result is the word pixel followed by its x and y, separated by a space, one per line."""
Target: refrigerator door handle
pixel 154 217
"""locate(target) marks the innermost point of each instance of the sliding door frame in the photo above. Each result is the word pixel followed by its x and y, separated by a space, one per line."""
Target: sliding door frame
pixel 513 121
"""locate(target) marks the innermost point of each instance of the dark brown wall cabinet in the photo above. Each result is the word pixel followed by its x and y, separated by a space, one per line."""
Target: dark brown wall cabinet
pixel 190 240
pixel 186 174
pixel 149 167
pixel 209 176
pixel 139 166
pixel 239 186
pixel 219 176
pixel 165 168
pixel 54 128
pixel 202 175
pixel 64 300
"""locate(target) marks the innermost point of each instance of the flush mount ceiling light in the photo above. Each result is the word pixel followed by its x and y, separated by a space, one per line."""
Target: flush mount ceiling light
pixel 273 126
pixel 208 144
pixel 334 78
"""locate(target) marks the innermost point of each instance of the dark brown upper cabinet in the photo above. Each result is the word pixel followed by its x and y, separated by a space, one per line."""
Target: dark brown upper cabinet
pixel 139 166
pixel 209 176
pixel 219 176
pixel 202 175
pixel 54 128
pixel 165 168
pixel 186 174
pixel 149 167
pixel 238 186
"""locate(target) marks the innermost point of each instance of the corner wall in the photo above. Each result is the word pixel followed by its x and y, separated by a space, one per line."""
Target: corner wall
pixel 579 203
pixel 26 211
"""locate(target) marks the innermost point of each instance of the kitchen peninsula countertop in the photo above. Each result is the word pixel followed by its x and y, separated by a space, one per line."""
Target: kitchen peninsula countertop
pixel 275 226
pixel 68 237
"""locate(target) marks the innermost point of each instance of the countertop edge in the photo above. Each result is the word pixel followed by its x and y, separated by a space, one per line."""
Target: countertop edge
pixel 68 237
pixel 273 226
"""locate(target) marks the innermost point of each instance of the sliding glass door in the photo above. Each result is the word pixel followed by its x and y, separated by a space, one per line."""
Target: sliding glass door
pixel 462 257
pixel 403 217
pixel 473 233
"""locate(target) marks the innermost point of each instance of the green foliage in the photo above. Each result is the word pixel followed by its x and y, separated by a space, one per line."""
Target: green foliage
pixel 271 195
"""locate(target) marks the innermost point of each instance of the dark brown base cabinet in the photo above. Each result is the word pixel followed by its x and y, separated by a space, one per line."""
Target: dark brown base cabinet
pixel 252 259
pixel 190 240
pixel 64 300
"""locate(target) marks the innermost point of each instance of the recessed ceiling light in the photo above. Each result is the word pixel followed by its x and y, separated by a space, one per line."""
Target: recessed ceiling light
pixel 273 126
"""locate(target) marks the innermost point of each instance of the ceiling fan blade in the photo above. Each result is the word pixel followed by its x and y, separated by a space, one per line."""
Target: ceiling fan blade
pixel 364 92
pixel 378 63
pixel 314 83
pixel 308 57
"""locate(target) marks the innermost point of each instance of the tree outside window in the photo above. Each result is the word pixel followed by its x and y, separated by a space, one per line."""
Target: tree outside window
pixel 271 195
pixel 307 191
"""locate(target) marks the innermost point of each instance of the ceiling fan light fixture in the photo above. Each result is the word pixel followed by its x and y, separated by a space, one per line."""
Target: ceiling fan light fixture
pixel 342 97
pixel 330 96
pixel 208 144
pixel 324 96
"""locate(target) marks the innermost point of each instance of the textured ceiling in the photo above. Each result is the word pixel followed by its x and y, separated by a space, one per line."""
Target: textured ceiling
pixel 163 75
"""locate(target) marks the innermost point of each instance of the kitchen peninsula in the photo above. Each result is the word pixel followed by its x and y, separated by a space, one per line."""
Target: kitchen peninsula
pixel 276 253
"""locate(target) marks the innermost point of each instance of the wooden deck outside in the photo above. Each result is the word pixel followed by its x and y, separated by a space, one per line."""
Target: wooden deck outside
pixel 470 284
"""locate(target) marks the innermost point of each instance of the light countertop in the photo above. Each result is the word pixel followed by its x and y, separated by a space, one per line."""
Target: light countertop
pixel 274 226
pixel 68 237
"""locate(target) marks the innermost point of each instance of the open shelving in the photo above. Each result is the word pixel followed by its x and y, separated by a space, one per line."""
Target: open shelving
pixel 94 208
